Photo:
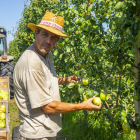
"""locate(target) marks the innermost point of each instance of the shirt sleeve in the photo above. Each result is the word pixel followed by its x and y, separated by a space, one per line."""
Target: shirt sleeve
pixel 37 89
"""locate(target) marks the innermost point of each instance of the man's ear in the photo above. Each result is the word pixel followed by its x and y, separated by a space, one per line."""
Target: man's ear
pixel 58 38
pixel 36 32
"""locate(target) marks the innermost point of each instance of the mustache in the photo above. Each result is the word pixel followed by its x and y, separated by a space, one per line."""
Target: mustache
pixel 46 44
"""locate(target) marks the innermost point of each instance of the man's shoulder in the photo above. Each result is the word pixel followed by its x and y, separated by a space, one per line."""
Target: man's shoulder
pixel 28 60
pixel 29 55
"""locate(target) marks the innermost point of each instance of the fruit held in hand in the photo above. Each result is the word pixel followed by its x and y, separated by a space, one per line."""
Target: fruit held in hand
pixel 85 81
pixel 97 100
pixel 103 96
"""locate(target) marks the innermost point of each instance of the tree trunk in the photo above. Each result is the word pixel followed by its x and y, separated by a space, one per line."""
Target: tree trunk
pixel 136 71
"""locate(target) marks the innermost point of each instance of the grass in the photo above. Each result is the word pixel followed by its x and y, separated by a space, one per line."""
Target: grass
pixel 14 120
pixel 78 127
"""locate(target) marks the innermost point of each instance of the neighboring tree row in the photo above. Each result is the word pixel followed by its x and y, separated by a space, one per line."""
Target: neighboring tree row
pixel 104 40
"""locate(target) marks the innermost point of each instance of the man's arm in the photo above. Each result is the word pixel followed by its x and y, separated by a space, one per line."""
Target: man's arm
pixel 55 107
pixel 63 80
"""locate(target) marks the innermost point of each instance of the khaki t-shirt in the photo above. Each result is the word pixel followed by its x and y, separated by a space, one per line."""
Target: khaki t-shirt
pixel 36 84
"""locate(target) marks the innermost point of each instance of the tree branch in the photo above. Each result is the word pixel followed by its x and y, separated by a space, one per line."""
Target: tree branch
pixel 118 90
pixel 131 63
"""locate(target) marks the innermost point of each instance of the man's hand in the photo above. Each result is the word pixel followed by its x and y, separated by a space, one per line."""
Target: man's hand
pixel 88 105
pixel 73 79
pixel 70 79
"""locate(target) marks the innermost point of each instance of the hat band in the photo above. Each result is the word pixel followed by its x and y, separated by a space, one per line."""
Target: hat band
pixel 51 24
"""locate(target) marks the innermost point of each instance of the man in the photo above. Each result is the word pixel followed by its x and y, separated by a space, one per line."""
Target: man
pixel 36 84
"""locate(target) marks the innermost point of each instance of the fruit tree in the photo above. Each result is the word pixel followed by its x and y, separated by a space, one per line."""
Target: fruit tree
pixel 105 39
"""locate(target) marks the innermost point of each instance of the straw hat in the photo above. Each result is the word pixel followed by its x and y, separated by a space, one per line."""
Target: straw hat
pixel 52 23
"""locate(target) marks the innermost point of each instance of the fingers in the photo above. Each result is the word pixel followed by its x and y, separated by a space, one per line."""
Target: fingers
pixel 92 98
pixel 98 107
pixel 76 78
pixel 73 81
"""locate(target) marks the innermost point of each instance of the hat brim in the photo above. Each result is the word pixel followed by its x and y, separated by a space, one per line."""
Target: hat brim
pixel 33 27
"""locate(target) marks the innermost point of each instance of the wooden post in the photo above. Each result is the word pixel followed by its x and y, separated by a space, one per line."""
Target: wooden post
pixel 136 71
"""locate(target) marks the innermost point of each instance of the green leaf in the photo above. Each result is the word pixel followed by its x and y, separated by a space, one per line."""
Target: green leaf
pixel 91 93
pixel 94 27
pixel 99 1
pixel 60 56
pixel 93 8
pixel 84 6
pixel 128 31
pixel 71 85
pixel 133 51
pixel 89 8
pixel 55 52
pixel 137 115
pixel 81 90
pixel 119 14
pixel 76 73
pixel 119 5
pixel 87 17
pixel 138 36
pixel 68 49
pixel 60 45
pixel 123 113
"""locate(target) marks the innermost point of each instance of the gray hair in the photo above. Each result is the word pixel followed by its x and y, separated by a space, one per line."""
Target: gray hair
pixel 39 29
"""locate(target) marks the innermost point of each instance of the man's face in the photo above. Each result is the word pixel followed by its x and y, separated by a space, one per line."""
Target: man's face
pixel 45 41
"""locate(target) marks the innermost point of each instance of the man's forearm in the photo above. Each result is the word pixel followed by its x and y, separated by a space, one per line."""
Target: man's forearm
pixel 62 80
pixel 60 107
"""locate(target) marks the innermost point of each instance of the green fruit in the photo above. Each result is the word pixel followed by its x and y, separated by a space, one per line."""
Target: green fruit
pixel 122 119
pixel 85 81
pixel 103 96
pixel 90 58
pixel 5 97
pixel 3 108
pixel 85 97
pixel 127 131
pixel 2 116
pixel 126 127
pixel 97 100
pixel 2 124
pixel 97 76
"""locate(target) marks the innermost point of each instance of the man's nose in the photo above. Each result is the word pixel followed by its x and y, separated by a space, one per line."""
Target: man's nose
pixel 48 39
